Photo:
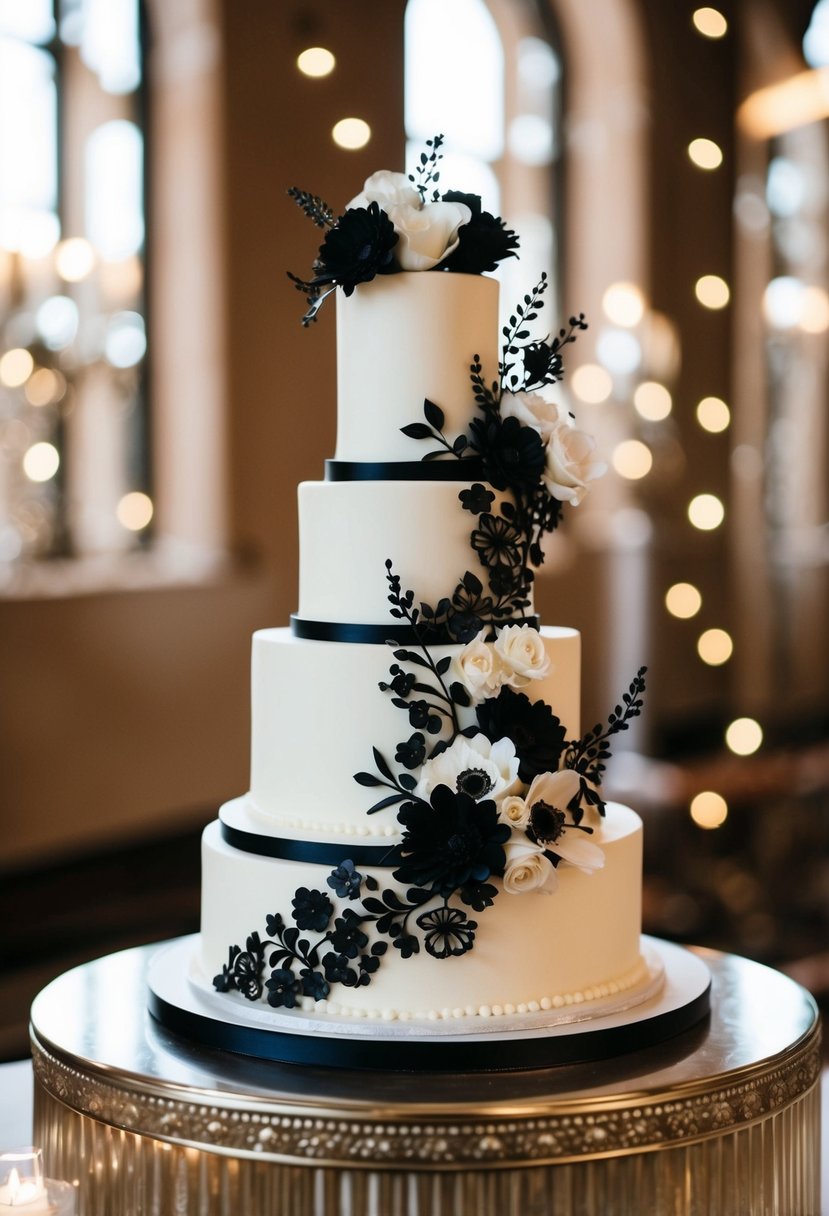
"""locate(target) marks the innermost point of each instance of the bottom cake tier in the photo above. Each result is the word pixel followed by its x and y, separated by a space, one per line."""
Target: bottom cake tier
pixel 313 928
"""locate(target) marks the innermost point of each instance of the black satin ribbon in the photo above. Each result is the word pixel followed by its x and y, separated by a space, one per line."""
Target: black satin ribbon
pixel 489 1053
pixel 320 853
pixel 468 470
pixel 404 635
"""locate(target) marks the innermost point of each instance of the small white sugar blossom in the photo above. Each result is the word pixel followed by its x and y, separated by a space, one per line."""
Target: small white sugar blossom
pixel 571 844
pixel 523 655
pixel 476 766
pixel 427 232
pixel 527 869
pixel 514 811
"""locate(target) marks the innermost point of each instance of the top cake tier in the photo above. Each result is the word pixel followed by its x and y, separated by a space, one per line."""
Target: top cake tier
pixel 403 338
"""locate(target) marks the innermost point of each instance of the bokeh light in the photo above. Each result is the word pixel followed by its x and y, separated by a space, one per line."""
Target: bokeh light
pixel 712 291
pixel 652 401
pixel 591 383
pixel 74 259
pixel 41 461
pixel 709 809
pixel 16 366
pixel 705 154
pixel 715 647
pixel 351 133
pixel 632 459
pixel 713 415
pixel 44 387
pixel 135 510
pixel 710 22
pixel 683 600
pixel 706 512
pixel 743 736
pixel 624 304
pixel 316 61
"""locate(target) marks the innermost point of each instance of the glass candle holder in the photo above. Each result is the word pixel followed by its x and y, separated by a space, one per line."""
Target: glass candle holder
pixel 25 1191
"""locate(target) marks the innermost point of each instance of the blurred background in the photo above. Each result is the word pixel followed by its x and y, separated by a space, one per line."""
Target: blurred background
pixel 666 164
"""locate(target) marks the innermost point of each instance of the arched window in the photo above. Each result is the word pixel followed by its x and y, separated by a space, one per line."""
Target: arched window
pixel 487 75
pixel 74 465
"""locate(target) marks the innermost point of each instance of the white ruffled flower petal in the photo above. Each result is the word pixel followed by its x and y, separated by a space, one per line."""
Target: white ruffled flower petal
pixel 527 869
pixel 569 465
pixel 497 762
pixel 574 847
pixel 427 234
pixel 556 789
pixel 479 669
pixel 388 190
pixel 523 655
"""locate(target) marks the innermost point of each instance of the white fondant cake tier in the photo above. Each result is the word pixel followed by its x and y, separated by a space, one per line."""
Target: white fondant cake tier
pixel 349 529
pixel 402 338
pixel 318 711
pixel 533 951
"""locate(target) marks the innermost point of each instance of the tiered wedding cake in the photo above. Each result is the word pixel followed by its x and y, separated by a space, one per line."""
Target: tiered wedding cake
pixel 484 876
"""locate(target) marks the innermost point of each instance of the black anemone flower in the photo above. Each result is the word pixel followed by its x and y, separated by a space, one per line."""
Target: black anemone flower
pixel 357 248
pixel 497 542
pixel 513 454
pixel 450 840
pixel 448 931
pixel 247 974
pixel 531 725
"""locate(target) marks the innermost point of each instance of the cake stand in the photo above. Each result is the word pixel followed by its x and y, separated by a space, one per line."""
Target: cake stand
pixel 722 1119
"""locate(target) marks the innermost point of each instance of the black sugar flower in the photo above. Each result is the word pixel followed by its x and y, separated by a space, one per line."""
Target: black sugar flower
pixel 314 984
pixel 345 881
pixel 284 989
pixel 247 973
pixel 312 909
pixel 411 753
pixel 448 931
pixel 513 454
pixel 476 499
pixel 497 541
pixel 483 242
pixel 357 248
pixel 347 937
pixel 532 726
pixel 449 841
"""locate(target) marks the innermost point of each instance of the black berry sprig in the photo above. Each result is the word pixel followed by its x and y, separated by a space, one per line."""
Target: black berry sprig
pixel 589 755
pixel 426 171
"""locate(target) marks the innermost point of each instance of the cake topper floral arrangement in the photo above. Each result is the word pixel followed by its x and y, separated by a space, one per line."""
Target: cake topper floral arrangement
pixel 391 226
pixel 487 784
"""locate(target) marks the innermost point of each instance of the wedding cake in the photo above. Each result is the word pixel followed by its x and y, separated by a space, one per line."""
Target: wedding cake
pixel 425 841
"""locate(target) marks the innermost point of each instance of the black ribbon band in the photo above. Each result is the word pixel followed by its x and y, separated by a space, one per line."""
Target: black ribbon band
pixel 489 1053
pixel 467 470
pixel 403 635
pixel 321 853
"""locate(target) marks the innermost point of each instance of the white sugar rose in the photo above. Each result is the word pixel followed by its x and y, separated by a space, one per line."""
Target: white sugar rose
pixel 523 655
pixel 569 463
pixel 527 869
pixel 428 234
pixel 479 669
pixel 514 811
pixel 532 410
pixel 388 190
pixel 472 766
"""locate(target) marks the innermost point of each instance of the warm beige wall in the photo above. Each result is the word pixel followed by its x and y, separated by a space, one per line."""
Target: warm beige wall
pixel 282 378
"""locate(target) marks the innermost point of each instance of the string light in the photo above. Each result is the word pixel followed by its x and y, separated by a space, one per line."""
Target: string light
pixel 713 415
pixel 744 736
pixel 706 512
pixel 715 647
pixel 591 383
pixel 351 133
pixel 712 291
pixel 41 461
pixel 652 401
pixel 624 304
pixel 15 367
pixel 705 154
pixel 632 459
pixel 316 61
pixel 710 22
pixel 683 600
pixel 74 259
pixel 709 810
pixel 135 510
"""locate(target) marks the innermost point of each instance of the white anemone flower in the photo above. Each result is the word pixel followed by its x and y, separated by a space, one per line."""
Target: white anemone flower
pixel 548 796
pixel 474 766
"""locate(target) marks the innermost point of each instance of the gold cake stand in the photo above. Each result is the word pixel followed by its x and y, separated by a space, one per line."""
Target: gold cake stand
pixel 723 1120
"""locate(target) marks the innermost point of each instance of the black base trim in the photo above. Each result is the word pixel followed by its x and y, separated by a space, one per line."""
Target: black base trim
pixel 322 853
pixel 519 1051
pixel 463 471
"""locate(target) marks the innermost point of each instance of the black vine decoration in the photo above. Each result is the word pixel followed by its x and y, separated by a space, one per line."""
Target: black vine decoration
pixel 426 170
